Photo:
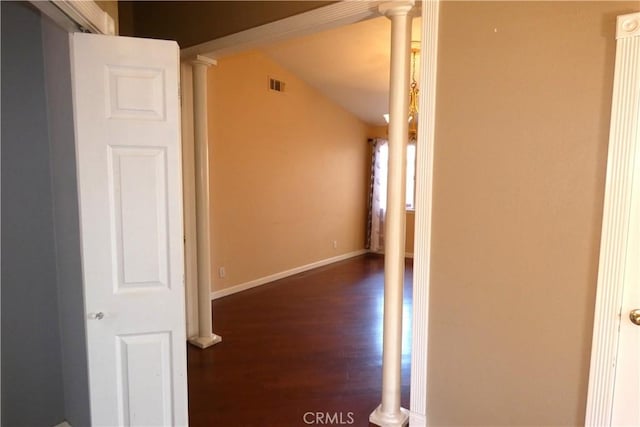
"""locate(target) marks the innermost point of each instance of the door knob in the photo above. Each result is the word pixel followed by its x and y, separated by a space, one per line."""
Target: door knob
pixel 96 316
pixel 634 315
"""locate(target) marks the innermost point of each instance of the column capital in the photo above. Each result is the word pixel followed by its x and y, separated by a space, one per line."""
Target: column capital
pixel 393 8
pixel 628 25
pixel 203 60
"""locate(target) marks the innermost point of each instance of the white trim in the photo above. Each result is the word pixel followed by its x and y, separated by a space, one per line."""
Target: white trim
pixel 628 25
pixel 324 18
pixel 281 275
pixel 56 15
pixel 73 15
pixel 623 143
pixel 417 420
pixel 189 199
pixel 88 15
pixel 424 196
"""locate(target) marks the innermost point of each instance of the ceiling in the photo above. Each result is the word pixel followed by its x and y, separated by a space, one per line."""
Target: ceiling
pixel 349 65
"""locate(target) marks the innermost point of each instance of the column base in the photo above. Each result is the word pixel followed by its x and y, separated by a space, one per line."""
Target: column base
pixel 381 419
pixel 204 342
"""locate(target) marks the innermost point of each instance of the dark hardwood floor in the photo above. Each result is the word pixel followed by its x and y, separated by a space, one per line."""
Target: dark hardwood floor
pixel 305 344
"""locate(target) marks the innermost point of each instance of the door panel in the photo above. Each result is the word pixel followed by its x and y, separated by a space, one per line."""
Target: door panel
pixel 144 367
pixel 138 184
pixel 129 178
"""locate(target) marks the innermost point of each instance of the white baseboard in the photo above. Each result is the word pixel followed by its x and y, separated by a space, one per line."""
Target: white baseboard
pixel 277 276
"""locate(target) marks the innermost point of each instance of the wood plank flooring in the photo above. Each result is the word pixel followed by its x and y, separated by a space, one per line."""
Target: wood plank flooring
pixel 305 344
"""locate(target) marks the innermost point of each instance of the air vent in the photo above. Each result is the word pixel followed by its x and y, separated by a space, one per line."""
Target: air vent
pixel 276 85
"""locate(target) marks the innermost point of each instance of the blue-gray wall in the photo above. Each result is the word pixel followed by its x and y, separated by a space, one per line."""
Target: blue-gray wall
pixel 44 365
pixel 32 386
pixel 57 66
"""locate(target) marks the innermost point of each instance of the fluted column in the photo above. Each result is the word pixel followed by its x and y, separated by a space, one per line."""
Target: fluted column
pixel 611 352
pixel 389 413
pixel 206 337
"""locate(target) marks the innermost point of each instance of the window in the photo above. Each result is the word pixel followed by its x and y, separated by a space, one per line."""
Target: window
pixel 411 177
pixel 378 190
pixel 383 163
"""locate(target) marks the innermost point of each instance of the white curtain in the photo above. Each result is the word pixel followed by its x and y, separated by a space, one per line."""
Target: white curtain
pixel 379 193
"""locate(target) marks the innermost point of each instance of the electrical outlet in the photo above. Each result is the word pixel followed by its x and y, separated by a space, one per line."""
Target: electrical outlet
pixel 221 272
pixel 335 244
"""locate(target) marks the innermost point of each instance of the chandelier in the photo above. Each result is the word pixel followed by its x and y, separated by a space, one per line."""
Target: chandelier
pixel 413 95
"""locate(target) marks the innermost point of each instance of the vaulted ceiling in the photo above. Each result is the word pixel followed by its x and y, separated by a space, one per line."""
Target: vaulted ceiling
pixel 349 64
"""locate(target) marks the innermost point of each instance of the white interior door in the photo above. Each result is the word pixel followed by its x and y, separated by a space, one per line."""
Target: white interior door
pixel 129 178
pixel 626 392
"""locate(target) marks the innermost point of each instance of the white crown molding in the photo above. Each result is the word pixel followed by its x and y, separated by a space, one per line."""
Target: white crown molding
pixel 623 143
pixel 628 25
pixel 73 15
pixel 281 275
pixel 424 196
pixel 324 18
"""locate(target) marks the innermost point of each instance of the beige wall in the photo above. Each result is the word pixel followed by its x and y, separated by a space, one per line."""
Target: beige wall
pixel 289 172
pixel 378 132
pixel 410 218
pixel 193 22
pixel 524 93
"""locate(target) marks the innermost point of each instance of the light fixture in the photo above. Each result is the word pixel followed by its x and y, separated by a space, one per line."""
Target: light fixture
pixel 413 94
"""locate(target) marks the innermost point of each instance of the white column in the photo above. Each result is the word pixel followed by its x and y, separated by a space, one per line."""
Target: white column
pixel 389 413
pixel 206 337
pixel 424 192
pixel 613 365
